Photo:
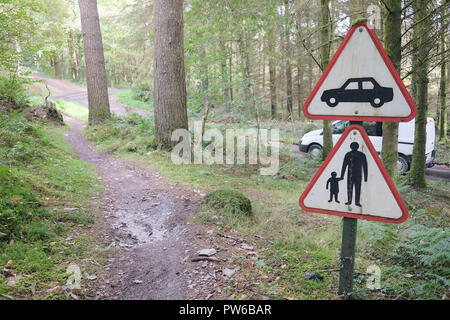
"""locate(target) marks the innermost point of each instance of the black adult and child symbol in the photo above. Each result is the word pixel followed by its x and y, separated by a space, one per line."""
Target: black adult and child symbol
pixel 355 163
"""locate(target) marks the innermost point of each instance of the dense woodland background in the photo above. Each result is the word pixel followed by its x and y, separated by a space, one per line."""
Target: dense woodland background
pixel 276 43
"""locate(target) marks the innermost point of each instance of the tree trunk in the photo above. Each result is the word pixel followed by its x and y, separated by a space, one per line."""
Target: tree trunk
pixel 309 60
pixel 204 75
pixel 443 81
pixel 223 71
pixel 245 60
pixel 288 68
pixel 272 74
pixel 392 44
pixel 230 72
pixel 324 59
pixel 299 79
pixel 421 33
pixel 95 62
pixel 169 81
pixel 73 56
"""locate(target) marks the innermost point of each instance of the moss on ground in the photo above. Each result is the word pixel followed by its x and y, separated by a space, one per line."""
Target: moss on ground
pixel 229 201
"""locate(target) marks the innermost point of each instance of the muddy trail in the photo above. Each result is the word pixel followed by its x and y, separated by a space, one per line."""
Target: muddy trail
pixel 147 219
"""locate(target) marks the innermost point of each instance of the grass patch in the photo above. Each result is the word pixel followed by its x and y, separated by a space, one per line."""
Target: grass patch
pixel 73 110
pixel 442 152
pixel 41 177
pixel 132 133
pixel 129 99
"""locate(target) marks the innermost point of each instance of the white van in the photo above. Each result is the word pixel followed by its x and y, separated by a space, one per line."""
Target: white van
pixel 312 141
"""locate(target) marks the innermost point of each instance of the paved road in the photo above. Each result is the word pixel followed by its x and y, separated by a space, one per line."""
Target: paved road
pixel 68 91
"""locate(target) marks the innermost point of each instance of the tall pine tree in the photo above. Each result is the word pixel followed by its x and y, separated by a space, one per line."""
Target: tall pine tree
pixel 95 62
pixel 169 72
pixel 420 68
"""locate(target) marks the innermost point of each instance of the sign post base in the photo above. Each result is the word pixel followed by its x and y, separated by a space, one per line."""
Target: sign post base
pixel 347 258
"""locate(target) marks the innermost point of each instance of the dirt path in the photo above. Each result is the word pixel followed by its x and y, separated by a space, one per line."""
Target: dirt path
pixel 68 91
pixel 147 219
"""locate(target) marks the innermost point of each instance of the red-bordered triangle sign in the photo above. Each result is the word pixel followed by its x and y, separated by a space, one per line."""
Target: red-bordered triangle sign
pixel 360 83
pixel 352 182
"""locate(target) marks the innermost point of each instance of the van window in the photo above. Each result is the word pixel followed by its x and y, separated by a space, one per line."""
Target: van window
pixel 373 128
pixel 339 127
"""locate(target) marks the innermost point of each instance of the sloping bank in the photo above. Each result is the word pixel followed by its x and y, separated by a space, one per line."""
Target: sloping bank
pixel 46 211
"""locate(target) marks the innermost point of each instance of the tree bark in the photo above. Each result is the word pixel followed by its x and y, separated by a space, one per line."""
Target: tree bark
pixel 310 65
pixel 392 43
pixel 299 79
pixel 73 55
pixel 169 72
pixel 230 72
pixel 421 33
pixel 223 71
pixel 204 77
pixel 95 62
pixel 245 60
pixel 272 74
pixel 443 81
pixel 288 68
pixel 324 60
pixel 57 66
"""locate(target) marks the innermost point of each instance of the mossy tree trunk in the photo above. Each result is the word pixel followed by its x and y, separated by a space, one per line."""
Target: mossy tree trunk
pixel 95 62
pixel 169 72
pixel 392 43
pixel 325 26
pixel 421 33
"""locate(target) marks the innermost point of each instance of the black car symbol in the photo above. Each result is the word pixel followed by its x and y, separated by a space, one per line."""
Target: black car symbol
pixel 359 90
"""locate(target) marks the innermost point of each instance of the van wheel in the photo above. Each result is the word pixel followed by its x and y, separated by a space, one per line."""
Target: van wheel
pixel 314 151
pixel 402 164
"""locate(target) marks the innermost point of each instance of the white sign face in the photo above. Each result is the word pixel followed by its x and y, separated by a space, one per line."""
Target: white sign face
pixel 360 83
pixel 353 182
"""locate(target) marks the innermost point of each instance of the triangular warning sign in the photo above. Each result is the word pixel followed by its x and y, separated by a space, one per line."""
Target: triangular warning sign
pixel 353 182
pixel 360 83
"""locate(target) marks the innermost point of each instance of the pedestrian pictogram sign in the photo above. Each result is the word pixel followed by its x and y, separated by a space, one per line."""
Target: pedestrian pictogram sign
pixel 360 83
pixel 352 182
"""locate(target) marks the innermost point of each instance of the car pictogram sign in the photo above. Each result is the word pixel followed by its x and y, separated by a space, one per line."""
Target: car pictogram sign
pixel 352 182
pixel 360 83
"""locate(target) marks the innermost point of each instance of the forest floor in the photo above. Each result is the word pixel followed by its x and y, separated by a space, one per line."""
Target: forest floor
pixel 142 223
pixel 150 223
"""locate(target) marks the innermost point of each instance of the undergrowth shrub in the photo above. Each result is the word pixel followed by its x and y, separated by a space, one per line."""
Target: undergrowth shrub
pixel 21 141
pixel 308 128
pixel 18 205
pixel 12 90
pixel 141 92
